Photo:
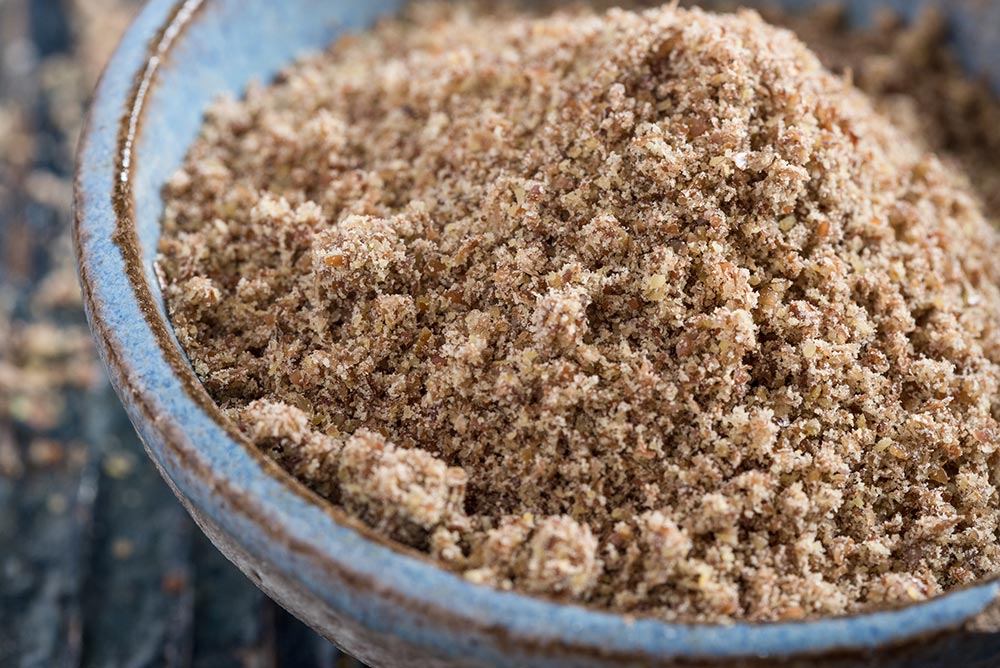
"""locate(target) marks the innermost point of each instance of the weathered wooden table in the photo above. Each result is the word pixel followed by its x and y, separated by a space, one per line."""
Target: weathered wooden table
pixel 99 564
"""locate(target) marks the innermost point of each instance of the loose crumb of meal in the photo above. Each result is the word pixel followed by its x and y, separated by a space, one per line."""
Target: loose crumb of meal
pixel 643 309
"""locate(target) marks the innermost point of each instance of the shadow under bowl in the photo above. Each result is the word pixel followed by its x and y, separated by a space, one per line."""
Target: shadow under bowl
pixel 381 602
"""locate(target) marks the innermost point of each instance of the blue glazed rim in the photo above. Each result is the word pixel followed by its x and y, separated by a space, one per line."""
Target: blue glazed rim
pixel 280 522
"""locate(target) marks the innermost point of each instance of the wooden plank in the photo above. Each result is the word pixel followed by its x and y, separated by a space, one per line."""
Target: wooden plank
pixel 46 485
pixel 139 576
pixel 233 627
pixel 47 510
pixel 298 645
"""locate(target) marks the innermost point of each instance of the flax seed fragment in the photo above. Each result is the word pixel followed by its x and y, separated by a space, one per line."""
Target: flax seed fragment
pixel 645 309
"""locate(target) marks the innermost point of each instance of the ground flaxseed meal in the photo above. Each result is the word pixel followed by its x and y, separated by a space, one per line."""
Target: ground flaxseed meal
pixel 646 310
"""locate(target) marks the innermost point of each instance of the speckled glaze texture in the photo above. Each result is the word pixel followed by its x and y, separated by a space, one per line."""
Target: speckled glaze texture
pixel 385 604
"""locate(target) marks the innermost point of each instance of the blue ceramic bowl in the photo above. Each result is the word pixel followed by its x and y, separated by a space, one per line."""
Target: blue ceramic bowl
pixel 380 602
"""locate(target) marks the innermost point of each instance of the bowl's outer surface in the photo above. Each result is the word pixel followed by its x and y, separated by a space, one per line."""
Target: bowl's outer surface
pixel 383 604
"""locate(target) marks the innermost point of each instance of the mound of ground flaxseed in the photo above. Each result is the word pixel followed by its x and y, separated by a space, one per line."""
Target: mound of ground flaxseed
pixel 645 310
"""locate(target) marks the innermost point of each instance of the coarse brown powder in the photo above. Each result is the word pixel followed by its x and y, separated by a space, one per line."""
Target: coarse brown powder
pixel 647 310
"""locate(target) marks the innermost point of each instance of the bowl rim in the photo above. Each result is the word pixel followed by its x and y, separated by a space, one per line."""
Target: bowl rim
pixel 163 397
